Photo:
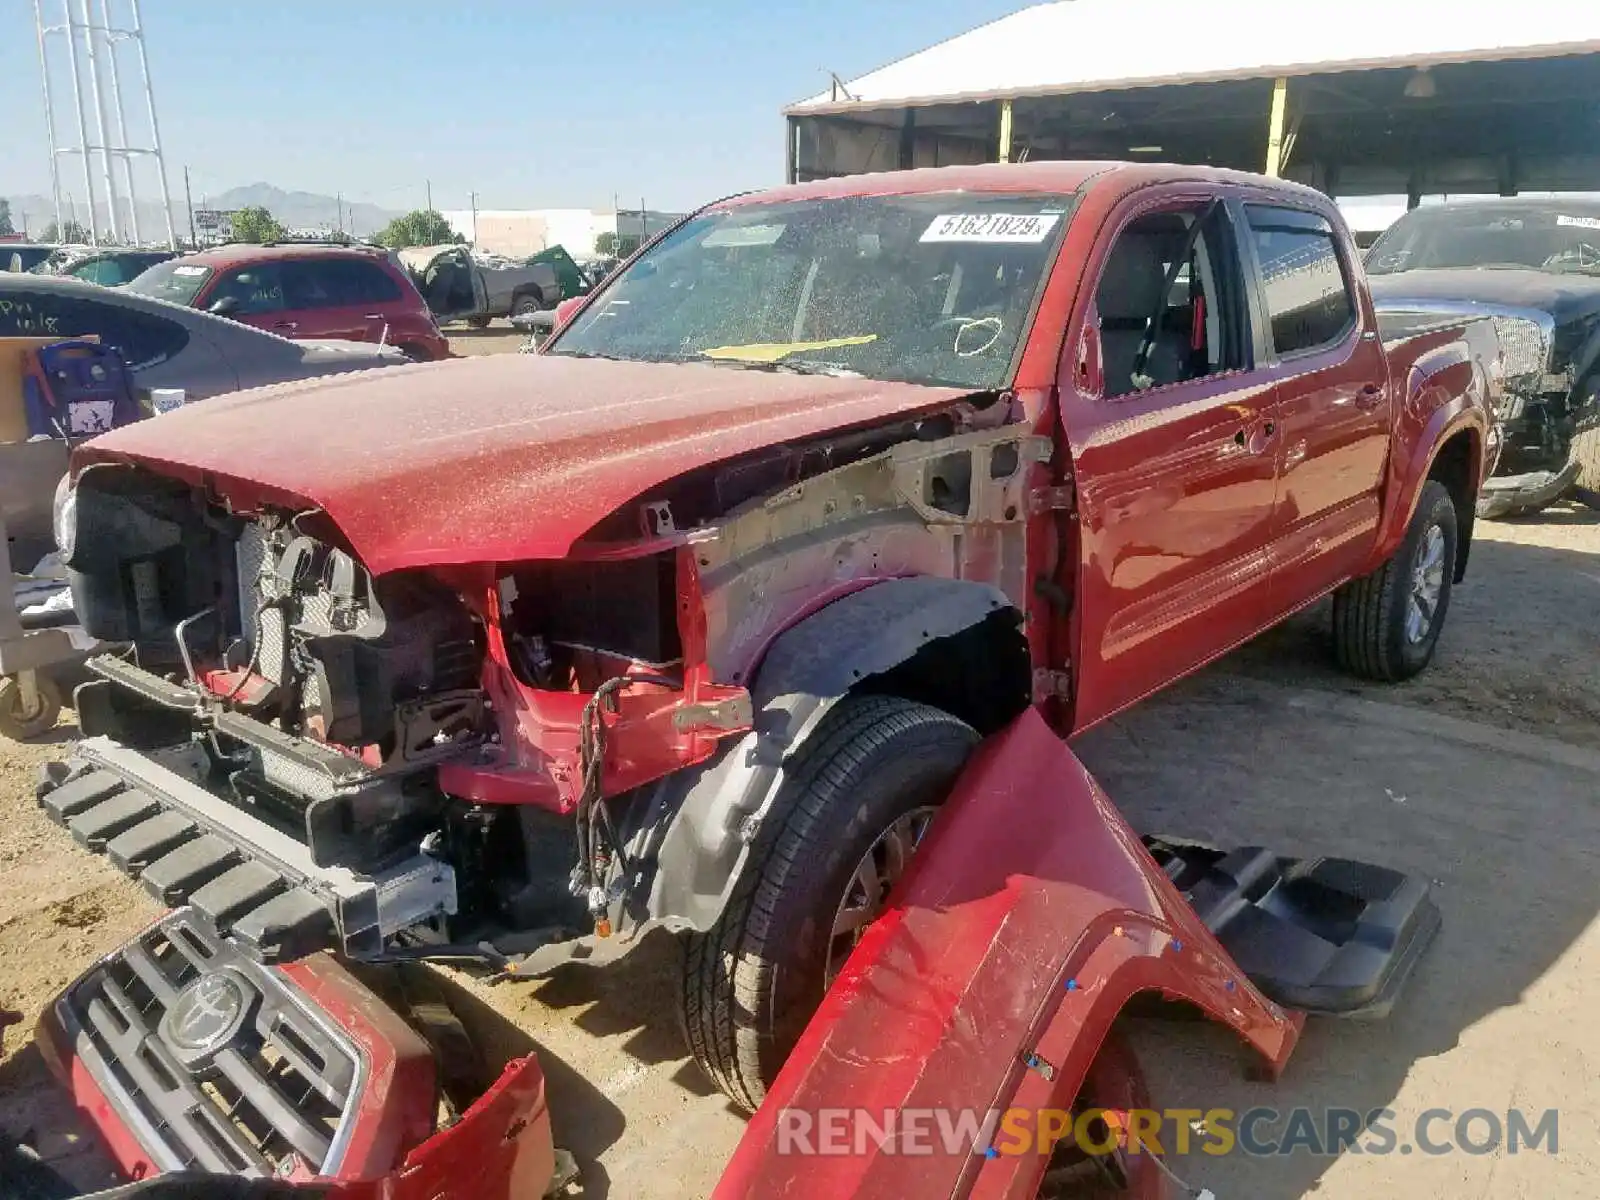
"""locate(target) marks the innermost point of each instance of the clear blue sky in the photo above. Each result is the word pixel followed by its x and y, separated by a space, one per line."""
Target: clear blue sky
pixel 529 104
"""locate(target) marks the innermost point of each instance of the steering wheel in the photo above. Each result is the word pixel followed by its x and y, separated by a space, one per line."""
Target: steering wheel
pixel 994 325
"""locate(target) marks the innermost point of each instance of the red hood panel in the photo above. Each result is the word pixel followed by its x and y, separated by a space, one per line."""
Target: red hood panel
pixel 496 458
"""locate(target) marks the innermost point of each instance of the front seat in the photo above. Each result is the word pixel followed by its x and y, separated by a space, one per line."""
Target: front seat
pixel 1130 296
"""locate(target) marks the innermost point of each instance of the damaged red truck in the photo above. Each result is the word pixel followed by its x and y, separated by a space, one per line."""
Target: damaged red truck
pixel 816 528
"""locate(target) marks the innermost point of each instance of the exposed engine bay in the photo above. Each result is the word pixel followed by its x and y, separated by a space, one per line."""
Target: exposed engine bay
pixel 459 758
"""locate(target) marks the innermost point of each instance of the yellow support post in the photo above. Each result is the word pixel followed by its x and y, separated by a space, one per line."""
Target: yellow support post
pixel 1005 131
pixel 1280 108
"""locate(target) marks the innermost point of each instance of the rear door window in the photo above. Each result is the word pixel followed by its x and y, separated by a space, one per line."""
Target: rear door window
pixel 336 283
pixel 1304 285
pixel 144 338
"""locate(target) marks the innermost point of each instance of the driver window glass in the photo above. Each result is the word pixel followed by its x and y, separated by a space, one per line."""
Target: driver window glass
pixel 1167 301
pixel 258 289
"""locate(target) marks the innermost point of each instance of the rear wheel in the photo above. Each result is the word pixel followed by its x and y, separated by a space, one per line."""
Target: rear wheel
pixel 1387 624
pixel 527 304
pixel 857 799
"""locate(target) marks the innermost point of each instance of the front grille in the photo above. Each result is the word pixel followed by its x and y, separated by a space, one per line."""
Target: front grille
pixel 252 1093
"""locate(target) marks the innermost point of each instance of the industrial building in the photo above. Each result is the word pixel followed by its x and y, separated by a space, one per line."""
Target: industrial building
pixel 1360 98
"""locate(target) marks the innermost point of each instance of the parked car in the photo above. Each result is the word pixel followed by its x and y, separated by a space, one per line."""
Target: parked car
pixel 109 266
pixel 166 346
pixel 461 285
pixel 24 256
pixel 694 617
pixel 1534 265
pixel 301 290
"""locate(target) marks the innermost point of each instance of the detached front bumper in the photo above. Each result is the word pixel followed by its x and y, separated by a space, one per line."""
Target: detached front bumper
pixel 186 1055
pixel 189 846
pixel 1509 495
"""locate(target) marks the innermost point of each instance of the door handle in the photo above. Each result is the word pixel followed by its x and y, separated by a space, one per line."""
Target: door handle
pixel 286 325
pixel 1370 396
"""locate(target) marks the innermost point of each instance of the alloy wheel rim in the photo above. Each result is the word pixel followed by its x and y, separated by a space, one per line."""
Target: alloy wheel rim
pixel 878 870
pixel 1427 586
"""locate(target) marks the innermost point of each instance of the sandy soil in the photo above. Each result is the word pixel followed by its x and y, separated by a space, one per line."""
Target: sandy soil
pixel 1522 651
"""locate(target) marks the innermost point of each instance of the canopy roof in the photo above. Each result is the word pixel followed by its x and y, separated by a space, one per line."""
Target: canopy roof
pixel 1103 45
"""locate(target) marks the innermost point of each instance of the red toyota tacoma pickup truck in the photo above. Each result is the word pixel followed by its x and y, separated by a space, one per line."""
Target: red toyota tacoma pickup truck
pixel 694 618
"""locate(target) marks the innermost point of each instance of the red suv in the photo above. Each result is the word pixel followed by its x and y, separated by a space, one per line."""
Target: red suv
pixel 357 293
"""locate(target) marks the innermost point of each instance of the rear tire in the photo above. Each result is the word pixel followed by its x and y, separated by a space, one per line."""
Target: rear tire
pixel 1386 625
pixel 874 767
pixel 527 304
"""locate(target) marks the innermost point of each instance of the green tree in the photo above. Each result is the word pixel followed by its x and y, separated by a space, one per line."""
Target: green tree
pixel 69 233
pixel 424 227
pixel 605 244
pixel 5 217
pixel 256 225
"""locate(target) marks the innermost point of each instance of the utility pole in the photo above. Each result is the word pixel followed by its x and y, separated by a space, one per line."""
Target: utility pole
pixel 188 199
pixel 644 222
pixel 338 201
pixel 473 197
pixel 428 183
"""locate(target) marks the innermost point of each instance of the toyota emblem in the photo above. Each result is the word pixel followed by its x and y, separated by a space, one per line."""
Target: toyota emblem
pixel 205 1015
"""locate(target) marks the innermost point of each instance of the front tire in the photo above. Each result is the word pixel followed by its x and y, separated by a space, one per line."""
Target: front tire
pixel 1386 625
pixel 855 801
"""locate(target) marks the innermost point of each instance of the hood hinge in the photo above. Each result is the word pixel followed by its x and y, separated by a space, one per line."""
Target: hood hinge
pixel 1062 498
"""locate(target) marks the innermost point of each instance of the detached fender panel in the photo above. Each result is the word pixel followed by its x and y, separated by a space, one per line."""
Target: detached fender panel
pixel 697 826
pixel 1029 918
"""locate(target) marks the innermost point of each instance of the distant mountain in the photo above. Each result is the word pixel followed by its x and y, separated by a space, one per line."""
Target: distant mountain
pixel 297 210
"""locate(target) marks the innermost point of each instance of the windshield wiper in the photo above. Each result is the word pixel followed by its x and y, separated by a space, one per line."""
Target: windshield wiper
pixel 802 367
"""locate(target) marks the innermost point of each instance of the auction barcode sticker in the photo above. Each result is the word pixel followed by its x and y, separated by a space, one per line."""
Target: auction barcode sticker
pixel 1579 222
pixel 991 227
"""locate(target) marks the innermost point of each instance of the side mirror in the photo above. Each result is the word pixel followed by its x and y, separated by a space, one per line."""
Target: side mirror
pixel 225 307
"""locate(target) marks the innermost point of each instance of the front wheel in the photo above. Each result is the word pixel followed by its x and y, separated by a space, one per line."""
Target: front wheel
pixel 855 803
pixel 1386 625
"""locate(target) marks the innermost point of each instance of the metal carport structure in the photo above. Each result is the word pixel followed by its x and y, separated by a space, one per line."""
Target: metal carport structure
pixel 1357 97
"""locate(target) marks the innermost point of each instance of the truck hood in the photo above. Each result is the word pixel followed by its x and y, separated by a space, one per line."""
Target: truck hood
pixel 1566 297
pixel 492 459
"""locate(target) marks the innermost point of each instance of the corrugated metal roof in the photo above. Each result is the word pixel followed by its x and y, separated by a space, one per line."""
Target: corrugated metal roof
pixel 1099 45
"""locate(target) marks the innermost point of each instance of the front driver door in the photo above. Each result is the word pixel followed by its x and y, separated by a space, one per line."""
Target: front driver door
pixel 1169 426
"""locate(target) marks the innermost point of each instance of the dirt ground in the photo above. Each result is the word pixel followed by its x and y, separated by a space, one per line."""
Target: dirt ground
pixel 1521 653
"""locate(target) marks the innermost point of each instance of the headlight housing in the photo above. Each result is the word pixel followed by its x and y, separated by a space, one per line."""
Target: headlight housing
pixel 64 517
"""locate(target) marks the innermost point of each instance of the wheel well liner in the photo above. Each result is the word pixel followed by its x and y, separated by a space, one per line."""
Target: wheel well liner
pixel 689 835
pixel 1453 467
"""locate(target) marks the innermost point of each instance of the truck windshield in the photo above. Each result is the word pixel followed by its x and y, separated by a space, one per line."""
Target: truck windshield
pixel 177 281
pixel 1545 237
pixel 935 288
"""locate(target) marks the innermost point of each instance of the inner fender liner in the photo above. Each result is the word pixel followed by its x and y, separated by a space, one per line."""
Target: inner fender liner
pixel 700 824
